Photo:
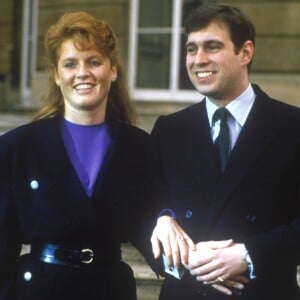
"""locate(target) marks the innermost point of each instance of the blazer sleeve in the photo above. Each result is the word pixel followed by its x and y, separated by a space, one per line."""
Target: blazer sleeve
pixel 9 233
pixel 159 191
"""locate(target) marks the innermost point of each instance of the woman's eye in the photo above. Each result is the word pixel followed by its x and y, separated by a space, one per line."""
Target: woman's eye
pixel 69 65
pixel 95 63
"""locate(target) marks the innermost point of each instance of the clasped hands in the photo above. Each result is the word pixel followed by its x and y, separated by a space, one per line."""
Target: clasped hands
pixel 218 263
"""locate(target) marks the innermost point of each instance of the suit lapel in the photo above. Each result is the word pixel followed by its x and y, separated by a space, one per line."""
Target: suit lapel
pixel 257 132
pixel 200 152
pixel 199 165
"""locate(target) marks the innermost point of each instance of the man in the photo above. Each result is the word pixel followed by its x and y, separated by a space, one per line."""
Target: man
pixel 234 214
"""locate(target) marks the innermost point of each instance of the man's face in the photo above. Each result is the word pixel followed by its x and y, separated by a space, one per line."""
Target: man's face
pixel 213 65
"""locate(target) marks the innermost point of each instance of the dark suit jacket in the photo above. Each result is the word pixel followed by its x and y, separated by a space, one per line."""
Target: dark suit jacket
pixel 256 202
pixel 59 211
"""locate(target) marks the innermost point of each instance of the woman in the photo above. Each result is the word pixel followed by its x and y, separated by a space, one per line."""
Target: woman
pixel 72 181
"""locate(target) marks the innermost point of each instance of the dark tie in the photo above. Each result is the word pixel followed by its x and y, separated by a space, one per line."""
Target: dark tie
pixel 222 142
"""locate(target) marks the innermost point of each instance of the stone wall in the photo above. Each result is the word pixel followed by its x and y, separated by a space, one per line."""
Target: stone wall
pixel 115 12
pixel 6 21
pixel 278 34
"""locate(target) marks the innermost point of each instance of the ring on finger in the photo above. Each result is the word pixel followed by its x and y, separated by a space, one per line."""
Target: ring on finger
pixel 220 279
pixel 179 237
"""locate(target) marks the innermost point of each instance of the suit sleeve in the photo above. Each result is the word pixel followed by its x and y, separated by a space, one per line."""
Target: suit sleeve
pixel 281 244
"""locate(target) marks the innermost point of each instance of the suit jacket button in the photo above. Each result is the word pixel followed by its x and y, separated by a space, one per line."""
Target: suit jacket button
pixel 237 292
pixel 34 184
pixel 202 292
pixel 251 217
pixel 188 214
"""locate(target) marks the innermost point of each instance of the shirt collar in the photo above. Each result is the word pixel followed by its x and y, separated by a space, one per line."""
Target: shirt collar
pixel 239 108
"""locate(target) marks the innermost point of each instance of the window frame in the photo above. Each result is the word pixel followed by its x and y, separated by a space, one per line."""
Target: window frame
pixel 29 49
pixel 173 93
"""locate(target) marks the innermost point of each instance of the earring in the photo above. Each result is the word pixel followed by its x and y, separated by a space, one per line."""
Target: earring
pixel 113 79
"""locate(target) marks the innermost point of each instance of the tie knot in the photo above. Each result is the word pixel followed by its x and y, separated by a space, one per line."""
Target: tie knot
pixel 221 114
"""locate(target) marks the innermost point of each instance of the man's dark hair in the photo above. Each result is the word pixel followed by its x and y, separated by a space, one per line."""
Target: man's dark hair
pixel 240 27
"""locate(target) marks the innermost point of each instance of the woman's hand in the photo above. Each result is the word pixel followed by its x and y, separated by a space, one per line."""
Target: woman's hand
pixel 169 237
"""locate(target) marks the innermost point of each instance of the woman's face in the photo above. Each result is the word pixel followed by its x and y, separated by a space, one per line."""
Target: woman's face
pixel 84 77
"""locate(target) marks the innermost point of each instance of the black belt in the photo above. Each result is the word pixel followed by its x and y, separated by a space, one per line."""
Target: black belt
pixel 62 255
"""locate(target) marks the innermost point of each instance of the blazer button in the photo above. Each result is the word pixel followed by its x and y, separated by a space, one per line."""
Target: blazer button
pixel 188 214
pixel 27 276
pixel 34 184
pixel 251 217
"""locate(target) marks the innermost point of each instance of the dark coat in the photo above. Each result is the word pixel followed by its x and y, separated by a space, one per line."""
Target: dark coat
pixel 256 202
pixel 59 211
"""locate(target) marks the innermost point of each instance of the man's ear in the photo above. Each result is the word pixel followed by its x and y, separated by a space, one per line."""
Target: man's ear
pixel 247 52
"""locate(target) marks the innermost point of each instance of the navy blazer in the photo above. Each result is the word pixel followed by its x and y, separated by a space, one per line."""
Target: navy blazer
pixel 256 202
pixel 43 201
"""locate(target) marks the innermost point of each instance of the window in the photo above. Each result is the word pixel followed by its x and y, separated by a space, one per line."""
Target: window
pixel 157 53
pixel 28 60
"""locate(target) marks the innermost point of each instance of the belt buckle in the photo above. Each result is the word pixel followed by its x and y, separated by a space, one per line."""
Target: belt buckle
pixel 91 253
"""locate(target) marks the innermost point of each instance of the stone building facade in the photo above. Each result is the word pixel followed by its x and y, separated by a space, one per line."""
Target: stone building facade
pixel 150 47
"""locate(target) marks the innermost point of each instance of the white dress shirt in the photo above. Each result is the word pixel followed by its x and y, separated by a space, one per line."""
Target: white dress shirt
pixel 239 109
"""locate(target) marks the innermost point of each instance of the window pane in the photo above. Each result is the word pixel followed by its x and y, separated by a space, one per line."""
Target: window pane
pixel 184 81
pixel 155 13
pixel 153 61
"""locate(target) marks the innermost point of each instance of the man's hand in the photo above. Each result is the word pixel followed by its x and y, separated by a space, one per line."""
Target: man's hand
pixel 226 287
pixel 172 239
pixel 213 264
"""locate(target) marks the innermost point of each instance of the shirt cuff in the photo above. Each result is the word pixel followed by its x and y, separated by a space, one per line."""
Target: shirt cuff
pixel 250 265
pixel 167 211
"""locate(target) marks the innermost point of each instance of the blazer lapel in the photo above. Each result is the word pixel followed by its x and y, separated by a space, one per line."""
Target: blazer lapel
pixel 51 150
pixel 104 177
pixel 53 160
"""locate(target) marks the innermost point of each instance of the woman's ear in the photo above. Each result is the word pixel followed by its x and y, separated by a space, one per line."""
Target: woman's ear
pixel 57 81
pixel 114 73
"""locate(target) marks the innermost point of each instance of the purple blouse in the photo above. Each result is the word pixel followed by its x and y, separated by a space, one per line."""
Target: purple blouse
pixel 86 146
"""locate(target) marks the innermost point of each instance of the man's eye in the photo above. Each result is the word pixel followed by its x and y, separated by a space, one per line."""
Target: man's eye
pixel 213 47
pixel 191 49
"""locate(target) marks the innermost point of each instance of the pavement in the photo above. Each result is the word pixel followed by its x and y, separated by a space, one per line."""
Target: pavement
pixel 148 285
